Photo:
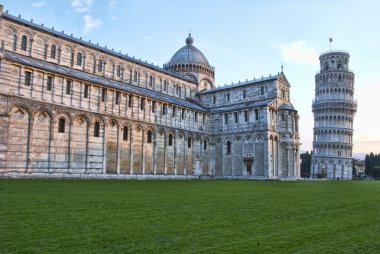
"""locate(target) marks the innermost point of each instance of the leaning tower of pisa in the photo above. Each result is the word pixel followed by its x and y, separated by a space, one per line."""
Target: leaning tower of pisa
pixel 334 108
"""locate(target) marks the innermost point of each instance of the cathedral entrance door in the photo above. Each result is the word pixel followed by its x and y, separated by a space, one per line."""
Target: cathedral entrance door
pixel 248 162
pixel 249 169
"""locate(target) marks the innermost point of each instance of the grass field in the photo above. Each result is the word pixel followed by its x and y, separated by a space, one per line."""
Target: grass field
pixel 101 216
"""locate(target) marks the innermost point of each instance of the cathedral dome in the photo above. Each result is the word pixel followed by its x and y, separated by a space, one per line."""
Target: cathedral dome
pixel 191 63
pixel 189 55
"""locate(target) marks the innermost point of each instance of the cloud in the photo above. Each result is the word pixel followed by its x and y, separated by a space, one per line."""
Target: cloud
pixel 298 52
pixel 113 18
pixel 148 38
pixel 38 4
pixel 112 3
pixel 90 23
pixel 81 5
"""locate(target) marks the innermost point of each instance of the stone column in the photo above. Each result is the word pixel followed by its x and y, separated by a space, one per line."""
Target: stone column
pixel 72 60
pixel 51 122
pixel 130 151
pixel 288 158
pixel 294 162
pixel 59 55
pixel 154 157
pixel 31 83
pixel 175 152
pixel 43 86
pixel 280 166
pixel 334 173
pixel 15 43
pixel 266 157
pixel 222 155
pixel 165 152
pixel 184 154
pixel 142 151
pixel 104 148
pixel 233 156
pixel 277 158
pixel 29 133
pixel 69 147
pixel 84 62
pixel 30 47
pixel 118 151
pixel 88 124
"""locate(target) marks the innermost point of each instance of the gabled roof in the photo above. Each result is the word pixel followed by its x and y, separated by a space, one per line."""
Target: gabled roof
pixel 91 78
pixel 92 45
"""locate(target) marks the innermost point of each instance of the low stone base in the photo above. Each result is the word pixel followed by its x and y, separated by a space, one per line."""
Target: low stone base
pixel 98 176
pixel 17 175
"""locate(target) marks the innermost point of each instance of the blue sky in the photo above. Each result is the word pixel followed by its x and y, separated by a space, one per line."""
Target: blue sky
pixel 241 39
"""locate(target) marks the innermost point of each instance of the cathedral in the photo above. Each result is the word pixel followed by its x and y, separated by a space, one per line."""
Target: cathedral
pixel 69 106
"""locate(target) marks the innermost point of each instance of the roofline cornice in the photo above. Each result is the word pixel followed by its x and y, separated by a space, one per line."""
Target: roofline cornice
pixel 42 28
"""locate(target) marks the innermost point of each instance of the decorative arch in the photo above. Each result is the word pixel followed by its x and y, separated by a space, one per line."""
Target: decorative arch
pixel 25 32
pixel 37 111
pixel 21 109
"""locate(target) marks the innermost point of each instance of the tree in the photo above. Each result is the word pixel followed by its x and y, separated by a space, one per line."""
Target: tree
pixel 376 172
pixel 366 171
pixel 372 164
pixel 305 164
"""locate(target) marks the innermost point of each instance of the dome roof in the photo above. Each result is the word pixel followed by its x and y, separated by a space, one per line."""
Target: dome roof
pixel 189 55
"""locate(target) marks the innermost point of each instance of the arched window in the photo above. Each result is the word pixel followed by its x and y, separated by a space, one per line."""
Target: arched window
pixel 118 71
pixel 189 142
pixel 53 51
pixel 96 129
pixel 125 133
pixel 100 65
pixel 170 139
pixel 150 81
pixel 339 66
pixel 24 40
pixel 61 125
pixel 135 76
pixel 79 59
pixel 205 144
pixel 228 147
pixel 149 137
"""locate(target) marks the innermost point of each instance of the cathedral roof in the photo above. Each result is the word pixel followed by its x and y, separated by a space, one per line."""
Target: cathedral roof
pixel 92 45
pixel 248 82
pixel 92 78
pixel 242 106
pixel 189 55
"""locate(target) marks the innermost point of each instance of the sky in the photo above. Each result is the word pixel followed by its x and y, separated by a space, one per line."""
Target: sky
pixel 241 39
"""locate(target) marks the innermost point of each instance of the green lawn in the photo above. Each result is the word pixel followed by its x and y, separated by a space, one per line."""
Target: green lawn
pixel 102 216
